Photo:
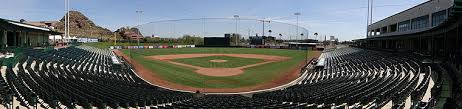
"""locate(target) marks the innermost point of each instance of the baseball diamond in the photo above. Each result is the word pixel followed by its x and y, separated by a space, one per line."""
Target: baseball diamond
pixel 191 69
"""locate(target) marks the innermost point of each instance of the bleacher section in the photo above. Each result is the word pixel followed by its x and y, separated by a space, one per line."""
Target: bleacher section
pixel 73 77
pixel 359 79
pixel 232 102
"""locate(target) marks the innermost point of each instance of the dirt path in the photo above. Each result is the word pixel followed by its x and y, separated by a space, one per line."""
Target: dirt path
pixel 153 78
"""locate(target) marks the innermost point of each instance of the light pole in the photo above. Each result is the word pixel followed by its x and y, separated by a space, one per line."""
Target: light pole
pixel 367 20
pixel 66 20
pixel 236 17
pixel 138 38
pixel 297 14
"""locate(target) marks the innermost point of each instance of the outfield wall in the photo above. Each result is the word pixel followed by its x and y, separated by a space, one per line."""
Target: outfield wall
pixel 152 47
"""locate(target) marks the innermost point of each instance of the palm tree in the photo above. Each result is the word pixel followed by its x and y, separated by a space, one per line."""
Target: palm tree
pixel 301 37
pixel 316 34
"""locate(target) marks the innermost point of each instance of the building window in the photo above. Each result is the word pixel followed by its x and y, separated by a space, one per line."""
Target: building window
pixel 438 17
pixel 404 25
pixel 393 28
pixel 420 22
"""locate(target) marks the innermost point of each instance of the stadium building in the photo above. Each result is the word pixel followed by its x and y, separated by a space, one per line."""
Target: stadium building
pixel 17 34
pixel 429 30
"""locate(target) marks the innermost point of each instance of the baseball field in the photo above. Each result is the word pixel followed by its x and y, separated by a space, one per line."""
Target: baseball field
pixel 216 69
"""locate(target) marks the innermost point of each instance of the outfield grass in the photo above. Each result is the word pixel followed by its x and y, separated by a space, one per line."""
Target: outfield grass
pixel 232 62
pixel 187 76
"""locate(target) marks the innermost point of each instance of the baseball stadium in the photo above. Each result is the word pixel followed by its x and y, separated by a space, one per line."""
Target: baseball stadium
pixel 407 60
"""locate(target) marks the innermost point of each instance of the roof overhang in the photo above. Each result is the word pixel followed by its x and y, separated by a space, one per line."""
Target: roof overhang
pixel 10 25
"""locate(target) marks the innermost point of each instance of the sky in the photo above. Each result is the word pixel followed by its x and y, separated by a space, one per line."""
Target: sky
pixel 345 19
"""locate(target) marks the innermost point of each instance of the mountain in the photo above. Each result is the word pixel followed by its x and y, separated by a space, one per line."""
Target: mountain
pixel 82 26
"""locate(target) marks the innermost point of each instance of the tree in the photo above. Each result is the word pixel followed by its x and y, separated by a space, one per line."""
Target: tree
pixel 188 39
pixel 233 39
pixel 22 21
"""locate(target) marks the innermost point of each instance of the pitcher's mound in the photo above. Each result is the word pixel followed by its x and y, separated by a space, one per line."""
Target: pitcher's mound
pixel 218 60
pixel 220 71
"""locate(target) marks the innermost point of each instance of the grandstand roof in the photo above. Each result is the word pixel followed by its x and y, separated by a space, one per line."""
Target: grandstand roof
pixel 427 8
pixel 11 25
pixel 402 11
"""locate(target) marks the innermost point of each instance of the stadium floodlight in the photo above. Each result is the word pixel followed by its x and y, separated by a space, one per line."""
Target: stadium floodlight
pixel 138 39
pixel 297 14
pixel 263 21
pixel 66 22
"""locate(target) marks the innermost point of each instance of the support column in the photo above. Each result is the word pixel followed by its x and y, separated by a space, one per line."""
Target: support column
pixel 42 36
pixel 15 38
pixel 432 46
pixel 26 38
pixel 458 49
pixel 420 43
pixel 21 38
pixel 2 37
pixel 445 45
pixel 5 39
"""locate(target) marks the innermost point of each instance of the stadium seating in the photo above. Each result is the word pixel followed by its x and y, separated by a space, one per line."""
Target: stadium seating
pixel 231 102
pixel 85 77
pixel 80 76
pixel 357 77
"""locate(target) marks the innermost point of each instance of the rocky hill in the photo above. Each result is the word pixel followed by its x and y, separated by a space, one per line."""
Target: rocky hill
pixel 123 31
pixel 82 26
